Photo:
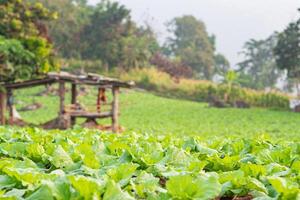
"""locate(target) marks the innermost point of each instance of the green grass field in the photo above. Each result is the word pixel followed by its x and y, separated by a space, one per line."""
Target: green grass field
pixel 145 112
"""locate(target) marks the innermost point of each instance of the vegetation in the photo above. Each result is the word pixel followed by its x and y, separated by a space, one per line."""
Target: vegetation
pixel 160 115
pixel 192 44
pixel 171 149
pixel 163 84
pixel 259 69
pixel 55 165
pixel 288 51
pixel 24 48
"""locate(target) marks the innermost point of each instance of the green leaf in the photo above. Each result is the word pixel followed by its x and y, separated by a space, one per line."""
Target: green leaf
pixel 114 192
pixel 7 182
pixel 253 170
pixel 146 184
pixel 87 187
pixel 43 193
pixel 60 158
pixel 285 189
pixel 187 187
pixel 123 173
pixel 16 193
pixel 60 188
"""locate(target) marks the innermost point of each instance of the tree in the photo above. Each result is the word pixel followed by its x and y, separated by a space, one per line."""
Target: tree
pixel 287 50
pixel 138 47
pixel 222 65
pixel 102 37
pixel 259 69
pixel 65 32
pixel 192 44
pixel 25 50
pixel 174 67
pixel 112 37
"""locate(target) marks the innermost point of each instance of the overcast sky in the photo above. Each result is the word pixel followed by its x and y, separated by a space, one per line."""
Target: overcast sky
pixel 232 21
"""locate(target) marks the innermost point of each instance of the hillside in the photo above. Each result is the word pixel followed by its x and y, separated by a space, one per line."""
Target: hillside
pixel 146 112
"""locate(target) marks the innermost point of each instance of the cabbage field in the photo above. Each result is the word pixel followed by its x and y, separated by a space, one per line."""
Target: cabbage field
pixel 85 164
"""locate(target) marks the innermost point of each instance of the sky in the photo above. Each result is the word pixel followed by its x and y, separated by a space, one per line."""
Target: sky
pixel 232 21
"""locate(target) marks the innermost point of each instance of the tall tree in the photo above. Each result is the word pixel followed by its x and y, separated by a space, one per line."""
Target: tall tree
pixel 25 50
pixel 65 32
pixel 102 37
pixel 192 44
pixel 222 65
pixel 138 47
pixel 287 50
pixel 259 69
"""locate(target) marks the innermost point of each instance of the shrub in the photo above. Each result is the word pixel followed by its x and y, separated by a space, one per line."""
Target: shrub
pixel 77 66
pixel 175 68
pixel 199 90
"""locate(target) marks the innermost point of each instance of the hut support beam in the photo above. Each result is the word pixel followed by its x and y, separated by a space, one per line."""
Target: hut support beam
pixel 73 101
pixel 10 106
pixel 115 109
pixel 2 107
pixel 62 124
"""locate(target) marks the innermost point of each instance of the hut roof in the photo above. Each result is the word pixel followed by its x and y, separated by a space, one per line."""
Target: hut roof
pixel 87 79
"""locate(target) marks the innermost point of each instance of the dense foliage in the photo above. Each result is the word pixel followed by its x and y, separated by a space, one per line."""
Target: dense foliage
pixel 56 165
pixel 25 50
pixel 259 69
pixel 104 32
pixel 65 31
pixel 192 44
pixel 288 50
pixel 107 33
pixel 202 90
pixel 175 68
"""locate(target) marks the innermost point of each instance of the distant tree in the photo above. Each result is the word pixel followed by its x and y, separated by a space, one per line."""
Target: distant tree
pixel 138 47
pixel 174 67
pixel 259 69
pixel 192 44
pixel 65 32
pixel 222 65
pixel 25 50
pixel 287 51
pixel 102 38
pixel 115 39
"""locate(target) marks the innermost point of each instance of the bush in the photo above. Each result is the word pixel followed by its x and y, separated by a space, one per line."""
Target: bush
pixel 175 68
pixel 77 66
pixel 198 90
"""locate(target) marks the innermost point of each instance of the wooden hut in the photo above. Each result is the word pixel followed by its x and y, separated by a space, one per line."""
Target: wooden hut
pixel 68 113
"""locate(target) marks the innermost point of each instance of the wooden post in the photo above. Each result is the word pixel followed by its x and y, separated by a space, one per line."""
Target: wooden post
pixel 100 98
pixel 61 119
pixel 73 101
pixel 115 109
pixel 61 97
pixel 2 107
pixel 10 106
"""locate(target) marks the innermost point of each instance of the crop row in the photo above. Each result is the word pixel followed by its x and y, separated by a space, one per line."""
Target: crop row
pixel 85 164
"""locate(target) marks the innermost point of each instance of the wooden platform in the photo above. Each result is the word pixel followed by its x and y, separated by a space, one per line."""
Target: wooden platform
pixel 81 114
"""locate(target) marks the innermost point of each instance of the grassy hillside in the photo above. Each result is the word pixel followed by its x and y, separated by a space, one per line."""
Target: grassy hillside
pixel 145 112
